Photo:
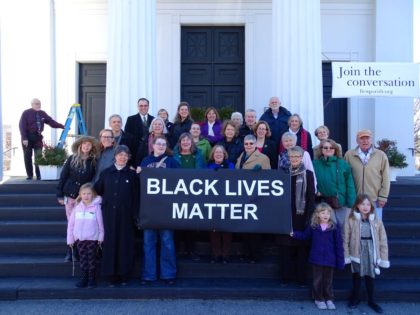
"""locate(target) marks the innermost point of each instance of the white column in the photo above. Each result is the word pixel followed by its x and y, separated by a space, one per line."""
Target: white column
pixel 131 61
pixel 394 43
pixel 297 68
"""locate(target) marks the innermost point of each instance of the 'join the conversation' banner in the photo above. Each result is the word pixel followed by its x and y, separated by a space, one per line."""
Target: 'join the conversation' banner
pixel 372 79
pixel 223 200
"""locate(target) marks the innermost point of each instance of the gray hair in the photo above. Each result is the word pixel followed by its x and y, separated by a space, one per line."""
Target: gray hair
pixel 297 149
pixel 114 116
pixel 251 138
pixel 237 115
pixel 289 135
pixel 165 130
pixel 250 110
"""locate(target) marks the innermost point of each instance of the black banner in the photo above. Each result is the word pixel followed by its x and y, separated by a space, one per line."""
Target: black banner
pixel 223 200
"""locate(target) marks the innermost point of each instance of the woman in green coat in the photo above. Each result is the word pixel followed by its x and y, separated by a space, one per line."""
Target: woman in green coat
pixel 334 180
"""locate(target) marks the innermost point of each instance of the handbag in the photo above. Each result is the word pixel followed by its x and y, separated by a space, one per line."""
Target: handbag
pixel 332 201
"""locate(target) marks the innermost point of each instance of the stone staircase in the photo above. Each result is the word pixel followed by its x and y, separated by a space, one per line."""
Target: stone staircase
pixel 32 247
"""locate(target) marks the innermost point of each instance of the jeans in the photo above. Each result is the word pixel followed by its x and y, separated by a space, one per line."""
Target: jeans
pixel 378 210
pixel 167 255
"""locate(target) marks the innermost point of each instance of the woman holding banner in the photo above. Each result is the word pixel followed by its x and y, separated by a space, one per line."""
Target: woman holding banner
pixel 188 156
pixel 159 159
pixel 220 241
pixel 252 159
pixel 294 252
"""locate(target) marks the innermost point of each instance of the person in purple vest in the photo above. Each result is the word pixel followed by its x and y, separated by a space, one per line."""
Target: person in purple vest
pixel 31 126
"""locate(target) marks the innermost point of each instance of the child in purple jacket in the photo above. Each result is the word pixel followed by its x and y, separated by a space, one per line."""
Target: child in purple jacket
pixel 86 229
pixel 326 254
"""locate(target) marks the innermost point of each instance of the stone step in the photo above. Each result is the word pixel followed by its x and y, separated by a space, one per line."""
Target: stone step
pixel 33 246
pixel 404 247
pixel 32 228
pixel 50 266
pixel 200 288
pixel 406 229
pixel 401 214
pixel 34 213
pixel 403 200
pixel 21 200
pixel 28 187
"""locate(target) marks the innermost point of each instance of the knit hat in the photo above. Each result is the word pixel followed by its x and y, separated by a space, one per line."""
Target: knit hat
pixel 80 140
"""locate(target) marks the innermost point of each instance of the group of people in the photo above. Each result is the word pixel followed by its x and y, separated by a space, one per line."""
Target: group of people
pixel 337 202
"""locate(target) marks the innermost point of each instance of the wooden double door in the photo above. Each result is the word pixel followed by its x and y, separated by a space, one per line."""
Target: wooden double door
pixel 213 66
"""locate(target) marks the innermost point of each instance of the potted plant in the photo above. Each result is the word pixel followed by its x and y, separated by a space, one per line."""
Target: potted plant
pixel 396 159
pixel 50 162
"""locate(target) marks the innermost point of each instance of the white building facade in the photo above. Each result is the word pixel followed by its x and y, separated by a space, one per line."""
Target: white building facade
pixel 43 42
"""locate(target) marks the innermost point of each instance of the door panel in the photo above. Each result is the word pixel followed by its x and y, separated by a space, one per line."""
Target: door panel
pixel 335 110
pixel 213 67
pixel 92 88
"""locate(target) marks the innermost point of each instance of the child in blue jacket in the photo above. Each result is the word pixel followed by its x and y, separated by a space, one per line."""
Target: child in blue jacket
pixel 326 254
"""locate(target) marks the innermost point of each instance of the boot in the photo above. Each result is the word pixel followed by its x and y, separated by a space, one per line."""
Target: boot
pixel 355 294
pixel 371 301
pixel 83 282
pixel 92 279
pixel 76 256
pixel 68 257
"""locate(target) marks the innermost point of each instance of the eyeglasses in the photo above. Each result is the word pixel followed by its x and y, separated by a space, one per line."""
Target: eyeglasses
pixel 161 144
pixel 107 137
pixel 295 156
pixel 328 148
pixel 143 106
pixel 248 143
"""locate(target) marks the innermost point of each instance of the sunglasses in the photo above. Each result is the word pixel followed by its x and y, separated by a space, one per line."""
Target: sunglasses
pixel 328 148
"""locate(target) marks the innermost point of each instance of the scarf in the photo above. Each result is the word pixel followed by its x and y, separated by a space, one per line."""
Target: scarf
pixel 300 193
pixel 284 162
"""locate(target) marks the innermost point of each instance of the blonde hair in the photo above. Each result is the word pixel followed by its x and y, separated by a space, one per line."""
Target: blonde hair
pixel 86 186
pixel 323 206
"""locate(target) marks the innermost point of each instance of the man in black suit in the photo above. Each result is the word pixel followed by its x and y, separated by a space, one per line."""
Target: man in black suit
pixel 138 125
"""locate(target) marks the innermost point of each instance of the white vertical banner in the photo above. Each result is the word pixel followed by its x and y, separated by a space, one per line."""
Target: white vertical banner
pixel 371 79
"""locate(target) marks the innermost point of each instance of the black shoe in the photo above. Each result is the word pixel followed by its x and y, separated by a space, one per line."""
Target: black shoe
pixel 83 282
pixel 170 281
pixel 225 259
pixel 29 178
pixel 375 307
pixel 92 280
pixel 145 282
pixel 353 304
pixel 38 178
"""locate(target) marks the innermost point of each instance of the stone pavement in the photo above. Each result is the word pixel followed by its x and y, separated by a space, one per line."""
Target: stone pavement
pixel 186 307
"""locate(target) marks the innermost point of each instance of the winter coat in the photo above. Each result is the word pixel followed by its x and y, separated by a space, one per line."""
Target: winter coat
pixel 152 161
pixel 217 130
pixel 226 164
pixel 326 247
pixel 352 240
pixel 205 147
pixel 120 194
pixel 233 148
pixel 86 223
pixel 198 156
pixel 373 178
pixel 328 171
pixel 256 161
pixel 269 148
pixel 71 178
pixel 177 130
pixel 278 125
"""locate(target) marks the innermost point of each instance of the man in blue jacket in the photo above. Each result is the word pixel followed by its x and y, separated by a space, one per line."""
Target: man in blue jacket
pixel 276 117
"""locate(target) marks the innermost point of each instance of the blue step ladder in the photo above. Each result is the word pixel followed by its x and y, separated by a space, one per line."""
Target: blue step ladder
pixel 75 109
